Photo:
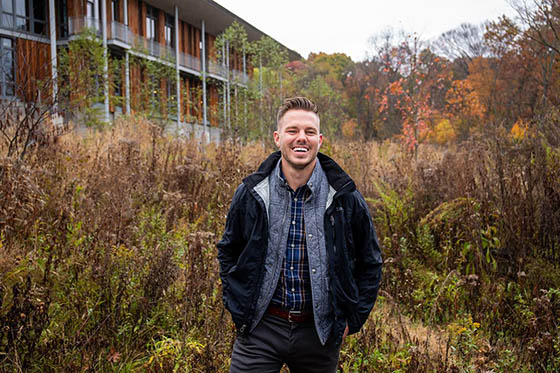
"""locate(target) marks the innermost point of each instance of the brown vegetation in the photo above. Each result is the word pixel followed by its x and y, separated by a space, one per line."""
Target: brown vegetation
pixel 107 254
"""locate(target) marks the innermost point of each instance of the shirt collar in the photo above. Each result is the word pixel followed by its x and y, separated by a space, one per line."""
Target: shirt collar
pixel 313 183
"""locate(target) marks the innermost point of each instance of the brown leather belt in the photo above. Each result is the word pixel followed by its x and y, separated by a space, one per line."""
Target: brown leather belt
pixel 291 316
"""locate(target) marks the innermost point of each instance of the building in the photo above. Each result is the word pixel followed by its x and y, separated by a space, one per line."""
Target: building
pixel 178 34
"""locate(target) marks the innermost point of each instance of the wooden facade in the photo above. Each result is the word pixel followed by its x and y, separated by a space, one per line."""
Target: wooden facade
pixel 33 61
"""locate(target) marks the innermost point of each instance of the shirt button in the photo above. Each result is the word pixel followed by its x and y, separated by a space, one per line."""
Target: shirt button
pixel 293 221
pixel 310 235
pixel 313 270
pixel 295 199
pixel 293 245
pixel 291 268
pixel 293 290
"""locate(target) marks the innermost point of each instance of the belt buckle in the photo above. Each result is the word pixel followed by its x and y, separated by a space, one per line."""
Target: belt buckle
pixel 293 313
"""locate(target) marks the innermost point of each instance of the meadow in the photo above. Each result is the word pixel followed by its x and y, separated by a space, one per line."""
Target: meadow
pixel 108 253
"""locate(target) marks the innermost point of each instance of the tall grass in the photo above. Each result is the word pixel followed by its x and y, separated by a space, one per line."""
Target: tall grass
pixel 108 259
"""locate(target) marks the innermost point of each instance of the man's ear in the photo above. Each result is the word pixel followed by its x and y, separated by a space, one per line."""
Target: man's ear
pixel 276 138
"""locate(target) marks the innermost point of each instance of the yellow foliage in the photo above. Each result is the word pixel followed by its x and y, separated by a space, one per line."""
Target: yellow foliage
pixel 443 132
pixel 519 130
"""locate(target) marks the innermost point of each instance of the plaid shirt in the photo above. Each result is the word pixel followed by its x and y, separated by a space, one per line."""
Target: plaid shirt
pixel 293 291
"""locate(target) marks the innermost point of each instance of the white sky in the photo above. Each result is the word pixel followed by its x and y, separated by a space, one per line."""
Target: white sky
pixel 345 26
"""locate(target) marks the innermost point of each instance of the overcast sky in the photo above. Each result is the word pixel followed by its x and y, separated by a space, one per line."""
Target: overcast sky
pixel 345 26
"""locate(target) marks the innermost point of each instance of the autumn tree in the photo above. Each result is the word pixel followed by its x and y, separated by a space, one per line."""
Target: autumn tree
pixel 461 46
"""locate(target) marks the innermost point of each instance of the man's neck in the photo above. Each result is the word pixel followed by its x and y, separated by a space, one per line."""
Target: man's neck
pixel 297 177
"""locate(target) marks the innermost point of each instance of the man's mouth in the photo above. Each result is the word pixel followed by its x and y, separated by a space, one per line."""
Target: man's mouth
pixel 300 150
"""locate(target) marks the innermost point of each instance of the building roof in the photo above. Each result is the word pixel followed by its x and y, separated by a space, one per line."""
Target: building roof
pixel 217 18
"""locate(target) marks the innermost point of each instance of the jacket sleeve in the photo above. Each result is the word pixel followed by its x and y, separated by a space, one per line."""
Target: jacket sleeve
pixel 367 272
pixel 232 242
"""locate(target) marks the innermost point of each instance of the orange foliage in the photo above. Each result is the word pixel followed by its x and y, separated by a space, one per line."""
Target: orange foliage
pixel 349 129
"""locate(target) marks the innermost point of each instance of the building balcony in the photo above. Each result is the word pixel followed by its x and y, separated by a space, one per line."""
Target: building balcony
pixel 217 69
pixel 121 32
pixel 240 76
pixel 153 48
pixel 190 62
pixel 78 24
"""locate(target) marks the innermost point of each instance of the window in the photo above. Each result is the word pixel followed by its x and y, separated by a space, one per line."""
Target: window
pixel 7 68
pixel 151 23
pixel 90 9
pixel 169 30
pixel 115 10
pixel 63 16
pixel 24 15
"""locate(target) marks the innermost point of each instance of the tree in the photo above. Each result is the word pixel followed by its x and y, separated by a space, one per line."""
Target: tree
pixel 461 45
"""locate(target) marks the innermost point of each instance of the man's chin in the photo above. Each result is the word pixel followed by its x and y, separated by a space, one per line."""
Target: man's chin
pixel 299 164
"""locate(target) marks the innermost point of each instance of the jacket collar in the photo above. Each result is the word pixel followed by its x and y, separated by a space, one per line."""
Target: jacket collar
pixel 337 178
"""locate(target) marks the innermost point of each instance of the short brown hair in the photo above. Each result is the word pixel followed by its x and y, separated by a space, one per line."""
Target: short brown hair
pixel 296 103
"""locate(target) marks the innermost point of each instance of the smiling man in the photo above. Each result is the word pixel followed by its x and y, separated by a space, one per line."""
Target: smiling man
pixel 299 259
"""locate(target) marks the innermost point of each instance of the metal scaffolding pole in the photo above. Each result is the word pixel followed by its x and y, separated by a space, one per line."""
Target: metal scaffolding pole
pixel 245 90
pixel 204 102
pixel 225 85
pixel 127 65
pixel 228 87
pixel 54 62
pixel 177 76
pixel 105 58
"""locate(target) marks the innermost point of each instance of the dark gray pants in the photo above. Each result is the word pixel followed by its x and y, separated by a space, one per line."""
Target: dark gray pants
pixel 276 341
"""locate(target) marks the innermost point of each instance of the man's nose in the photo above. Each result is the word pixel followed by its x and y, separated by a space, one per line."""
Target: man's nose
pixel 301 136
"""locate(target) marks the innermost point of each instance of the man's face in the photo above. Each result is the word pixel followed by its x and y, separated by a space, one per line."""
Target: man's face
pixel 298 138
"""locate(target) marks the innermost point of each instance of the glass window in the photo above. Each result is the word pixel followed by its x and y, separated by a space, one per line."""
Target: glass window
pixel 24 15
pixel 115 10
pixel 168 35
pixel 90 9
pixel 7 6
pixel 169 30
pixel 7 20
pixel 21 15
pixel 151 23
pixel 7 80
pixel 150 28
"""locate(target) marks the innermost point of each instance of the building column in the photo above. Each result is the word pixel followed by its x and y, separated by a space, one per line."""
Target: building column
pixel 204 102
pixel 105 57
pixel 127 63
pixel 177 76
pixel 245 90
pixel 54 61
pixel 127 82
pixel 125 4
pixel 225 84
pixel 228 87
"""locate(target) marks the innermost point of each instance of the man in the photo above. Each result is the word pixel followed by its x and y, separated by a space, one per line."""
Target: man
pixel 299 259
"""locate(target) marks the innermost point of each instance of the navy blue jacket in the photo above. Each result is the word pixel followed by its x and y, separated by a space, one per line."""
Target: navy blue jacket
pixel 351 243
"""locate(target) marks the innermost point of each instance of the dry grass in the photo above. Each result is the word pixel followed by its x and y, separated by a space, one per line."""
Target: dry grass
pixel 108 259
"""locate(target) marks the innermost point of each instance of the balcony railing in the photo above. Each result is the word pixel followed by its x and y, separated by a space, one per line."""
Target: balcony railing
pixel 154 48
pixel 240 76
pixel 191 62
pixel 216 69
pixel 77 24
pixel 121 32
